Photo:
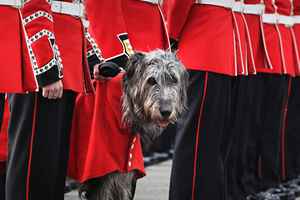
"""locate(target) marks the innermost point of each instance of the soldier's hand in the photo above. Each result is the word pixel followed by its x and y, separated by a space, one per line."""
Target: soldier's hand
pixel 53 90
pixel 97 75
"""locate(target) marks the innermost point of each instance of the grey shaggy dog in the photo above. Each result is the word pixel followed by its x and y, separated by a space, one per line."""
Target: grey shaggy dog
pixel 154 95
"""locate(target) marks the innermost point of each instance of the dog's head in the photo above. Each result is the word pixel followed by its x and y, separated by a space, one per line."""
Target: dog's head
pixel 154 89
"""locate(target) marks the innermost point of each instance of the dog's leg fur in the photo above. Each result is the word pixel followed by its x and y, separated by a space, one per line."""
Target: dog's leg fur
pixel 115 186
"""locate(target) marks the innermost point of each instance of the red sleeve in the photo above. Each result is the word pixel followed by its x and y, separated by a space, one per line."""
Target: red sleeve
pixel 43 51
pixel 94 54
pixel 177 14
pixel 109 30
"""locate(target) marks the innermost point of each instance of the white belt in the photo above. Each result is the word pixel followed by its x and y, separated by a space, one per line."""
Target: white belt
pixel 236 6
pixel 297 19
pixel 14 3
pixel 221 3
pixel 254 9
pixel 74 9
pixel 278 19
pixel 153 1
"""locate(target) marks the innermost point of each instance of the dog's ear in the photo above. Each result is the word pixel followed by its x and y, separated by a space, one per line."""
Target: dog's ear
pixel 185 83
pixel 133 63
pixel 184 77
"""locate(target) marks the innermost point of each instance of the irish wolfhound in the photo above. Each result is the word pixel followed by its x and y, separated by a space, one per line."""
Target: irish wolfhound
pixel 154 95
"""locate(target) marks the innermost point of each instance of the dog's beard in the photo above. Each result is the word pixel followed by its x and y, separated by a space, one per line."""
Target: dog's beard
pixel 154 117
pixel 152 114
pixel 141 111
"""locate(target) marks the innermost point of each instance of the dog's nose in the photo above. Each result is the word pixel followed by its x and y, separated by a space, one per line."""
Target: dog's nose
pixel 165 113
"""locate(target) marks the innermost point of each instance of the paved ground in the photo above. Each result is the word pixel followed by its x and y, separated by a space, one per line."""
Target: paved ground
pixel 154 186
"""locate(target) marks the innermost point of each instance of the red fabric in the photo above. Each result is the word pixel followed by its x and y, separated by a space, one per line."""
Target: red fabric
pixel 278 41
pixel 41 49
pixel 254 25
pixel 10 48
pixel 296 29
pixel 4 133
pixel 145 25
pixel 273 48
pixel 207 41
pixel 106 23
pixel 244 54
pixel 177 15
pixel 142 21
pixel 297 7
pixel 72 47
pixel 284 7
pixel 100 144
pixel 211 38
pixel 297 43
pixel 166 7
pixel 30 83
pixel 240 43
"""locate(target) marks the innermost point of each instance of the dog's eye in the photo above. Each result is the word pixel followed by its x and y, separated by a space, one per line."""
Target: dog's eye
pixel 171 79
pixel 174 80
pixel 151 81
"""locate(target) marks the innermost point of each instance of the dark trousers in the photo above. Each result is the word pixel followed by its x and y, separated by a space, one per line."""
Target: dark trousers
pixel 272 137
pixel 198 165
pixel 2 173
pixel 259 144
pixel 292 140
pixel 2 186
pixel 241 167
pixel 38 146
pixel 2 101
pixel 165 142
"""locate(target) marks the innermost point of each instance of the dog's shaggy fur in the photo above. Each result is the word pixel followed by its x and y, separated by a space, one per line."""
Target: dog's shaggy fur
pixel 154 95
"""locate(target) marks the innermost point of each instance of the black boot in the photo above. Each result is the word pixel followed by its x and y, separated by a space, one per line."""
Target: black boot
pixel 264 196
pixel 283 193
pixel 2 187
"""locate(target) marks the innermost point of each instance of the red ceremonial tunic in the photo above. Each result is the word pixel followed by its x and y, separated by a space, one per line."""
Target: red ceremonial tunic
pixel 57 48
pixel 100 143
pixel 297 32
pixel 11 76
pixel 72 46
pixel 107 26
pixel 42 64
pixel 278 40
pixel 207 37
pixel 132 25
